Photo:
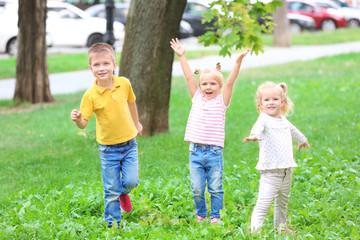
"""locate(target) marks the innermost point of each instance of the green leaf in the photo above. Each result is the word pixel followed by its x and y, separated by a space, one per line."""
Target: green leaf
pixel 207 17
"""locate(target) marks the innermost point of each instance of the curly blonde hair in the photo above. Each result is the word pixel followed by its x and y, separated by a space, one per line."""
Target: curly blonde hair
pixel 287 108
pixel 214 73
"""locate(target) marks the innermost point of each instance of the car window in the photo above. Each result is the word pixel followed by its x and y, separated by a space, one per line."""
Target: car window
pixel 101 14
pixel 324 5
pixel 300 6
pixel 196 9
pixel 121 12
pixel 62 13
pixel 118 13
pixel 327 5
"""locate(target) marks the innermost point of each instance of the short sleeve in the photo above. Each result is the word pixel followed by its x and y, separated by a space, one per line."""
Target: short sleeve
pixel 130 92
pixel 196 95
pixel 86 106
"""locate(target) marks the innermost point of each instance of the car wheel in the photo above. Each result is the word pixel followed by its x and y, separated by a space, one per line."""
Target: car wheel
pixel 11 47
pixel 95 38
pixel 328 25
pixel 354 23
pixel 295 28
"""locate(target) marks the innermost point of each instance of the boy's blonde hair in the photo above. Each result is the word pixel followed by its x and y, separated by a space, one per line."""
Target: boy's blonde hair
pixel 287 108
pixel 214 73
pixel 99 49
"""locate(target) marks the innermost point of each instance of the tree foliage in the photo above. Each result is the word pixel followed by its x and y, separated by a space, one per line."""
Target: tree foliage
pixel 236 24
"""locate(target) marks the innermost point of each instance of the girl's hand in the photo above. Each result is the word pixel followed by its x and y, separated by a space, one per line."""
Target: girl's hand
pixel 176 46
pixel 75 115
pixel 253 138
pixel 242 55
pixel 306 144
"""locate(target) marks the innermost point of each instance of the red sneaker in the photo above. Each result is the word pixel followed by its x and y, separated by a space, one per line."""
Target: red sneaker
pixel 200 219
pixel 214 220
pixel 125 202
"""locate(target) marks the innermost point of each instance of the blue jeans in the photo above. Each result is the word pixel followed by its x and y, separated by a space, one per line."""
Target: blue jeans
pixel 120 174
pixel 206 164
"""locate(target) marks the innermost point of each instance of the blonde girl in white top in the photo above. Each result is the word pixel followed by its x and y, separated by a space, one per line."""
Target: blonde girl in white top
pixel 274 133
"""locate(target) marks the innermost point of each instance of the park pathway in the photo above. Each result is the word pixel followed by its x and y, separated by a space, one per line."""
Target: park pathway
pixel 70 82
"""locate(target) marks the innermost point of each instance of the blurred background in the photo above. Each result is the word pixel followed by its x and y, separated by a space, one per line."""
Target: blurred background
pixel 90 17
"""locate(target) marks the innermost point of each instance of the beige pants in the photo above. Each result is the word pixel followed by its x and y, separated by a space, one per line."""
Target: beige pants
pixel 273 184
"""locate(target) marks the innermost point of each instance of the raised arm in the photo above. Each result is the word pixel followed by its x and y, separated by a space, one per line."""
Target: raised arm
pixel 180 51
pixel 229 84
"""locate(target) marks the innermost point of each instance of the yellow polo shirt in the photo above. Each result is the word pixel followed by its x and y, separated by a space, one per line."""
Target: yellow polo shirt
pixel 114 123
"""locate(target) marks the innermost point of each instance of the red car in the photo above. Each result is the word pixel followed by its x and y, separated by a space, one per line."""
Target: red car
pixel 323 19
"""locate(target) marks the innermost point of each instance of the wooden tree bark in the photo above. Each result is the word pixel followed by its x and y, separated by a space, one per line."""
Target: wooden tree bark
pixel 282 37
pixel 32 81
pixel 147 58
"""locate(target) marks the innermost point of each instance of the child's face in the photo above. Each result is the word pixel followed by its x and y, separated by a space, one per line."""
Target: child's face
pixel 209 87
pixel 271 102
pixel 102 66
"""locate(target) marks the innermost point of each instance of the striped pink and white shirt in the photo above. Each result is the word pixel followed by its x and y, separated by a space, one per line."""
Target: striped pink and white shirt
pixel 206 123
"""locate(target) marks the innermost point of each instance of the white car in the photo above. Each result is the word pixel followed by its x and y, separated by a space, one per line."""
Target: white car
pixel 352 15
pixel 66 25
pixel 8 31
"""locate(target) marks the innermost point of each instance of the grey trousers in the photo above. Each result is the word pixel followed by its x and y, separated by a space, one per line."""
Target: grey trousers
pixel 273 184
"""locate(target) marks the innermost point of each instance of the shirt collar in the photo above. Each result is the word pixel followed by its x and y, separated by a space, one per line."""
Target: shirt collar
pixel 101 90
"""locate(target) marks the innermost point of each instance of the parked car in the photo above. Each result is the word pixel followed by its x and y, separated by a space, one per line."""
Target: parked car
pixel 324 20
pixel 121 12
pixel 193 14
pixel 298 23
pixel 66 25
pixel 83 29
pixel 352 15
pixel 340 3
pixel 8 31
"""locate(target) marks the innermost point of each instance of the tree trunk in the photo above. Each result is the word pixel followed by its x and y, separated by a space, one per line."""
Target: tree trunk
pixel 282 37
pixel 32 81
pixel 147 58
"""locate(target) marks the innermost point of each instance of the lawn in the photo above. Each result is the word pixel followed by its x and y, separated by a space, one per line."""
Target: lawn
pixel 51 185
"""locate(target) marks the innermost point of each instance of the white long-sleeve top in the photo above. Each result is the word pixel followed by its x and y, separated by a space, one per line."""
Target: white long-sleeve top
pixel 276 149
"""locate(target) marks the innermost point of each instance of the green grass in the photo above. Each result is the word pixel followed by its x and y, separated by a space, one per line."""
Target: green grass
pixel 320 38
pixel 50 176
pixel 58 63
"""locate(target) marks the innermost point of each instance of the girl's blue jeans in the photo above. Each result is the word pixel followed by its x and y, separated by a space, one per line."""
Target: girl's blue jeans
pixel 206 166
pixel 120 174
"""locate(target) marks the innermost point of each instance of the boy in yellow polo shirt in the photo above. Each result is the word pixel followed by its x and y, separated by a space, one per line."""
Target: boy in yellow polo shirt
pixel 112 100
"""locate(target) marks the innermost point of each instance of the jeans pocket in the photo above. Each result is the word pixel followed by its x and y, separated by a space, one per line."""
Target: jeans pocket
pixel 217 150
pixel 103 148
